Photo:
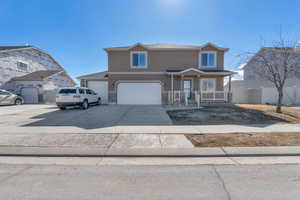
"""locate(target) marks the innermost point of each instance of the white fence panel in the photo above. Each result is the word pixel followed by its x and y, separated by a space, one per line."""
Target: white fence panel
pixel 270 95
pixel 297 91
pixel 239 95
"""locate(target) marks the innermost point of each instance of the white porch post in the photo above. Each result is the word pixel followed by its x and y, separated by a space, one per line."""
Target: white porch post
pixel 181 88
pixel 172 88
pixel 199 89
pixel 229 90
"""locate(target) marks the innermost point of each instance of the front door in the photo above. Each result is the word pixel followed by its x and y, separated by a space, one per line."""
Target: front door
pixel 187 88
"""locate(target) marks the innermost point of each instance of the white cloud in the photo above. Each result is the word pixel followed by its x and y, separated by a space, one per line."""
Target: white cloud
pixel 238 76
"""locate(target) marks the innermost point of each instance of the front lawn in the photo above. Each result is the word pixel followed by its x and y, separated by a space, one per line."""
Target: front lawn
pixel 234 114
pixel 244 139
pixel 290 115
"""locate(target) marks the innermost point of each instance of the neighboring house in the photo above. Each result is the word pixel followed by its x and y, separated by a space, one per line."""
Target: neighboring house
pixel 32 73
pixel 162 74
pixel 255 89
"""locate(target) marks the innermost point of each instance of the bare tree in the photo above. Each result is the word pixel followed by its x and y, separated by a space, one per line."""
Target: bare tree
pixel 277 64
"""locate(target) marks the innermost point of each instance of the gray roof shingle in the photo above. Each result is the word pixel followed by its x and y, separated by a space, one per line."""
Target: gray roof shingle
pixel 166 46
pixel 36 76
pixel 98 75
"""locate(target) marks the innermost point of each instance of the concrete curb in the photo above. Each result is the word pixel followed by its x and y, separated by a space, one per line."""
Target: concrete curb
pixel 149 152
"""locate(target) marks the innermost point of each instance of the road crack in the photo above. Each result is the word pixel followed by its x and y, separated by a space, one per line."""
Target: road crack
pixel 160 142
pixel 222 182
pixel 233 160
pixel 15 174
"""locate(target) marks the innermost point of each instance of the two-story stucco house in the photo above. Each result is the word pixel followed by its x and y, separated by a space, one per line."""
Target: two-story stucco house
pixel 31 73
pixel 161 74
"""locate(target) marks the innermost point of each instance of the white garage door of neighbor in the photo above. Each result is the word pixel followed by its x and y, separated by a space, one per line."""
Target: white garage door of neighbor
pixel 30 95
pixel 139 93
pixel 101 88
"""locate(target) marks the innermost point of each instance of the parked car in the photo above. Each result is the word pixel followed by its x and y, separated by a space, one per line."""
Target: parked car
pixel 76 96
pixel 8 98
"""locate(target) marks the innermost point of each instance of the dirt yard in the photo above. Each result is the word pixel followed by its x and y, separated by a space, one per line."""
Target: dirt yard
pixel 245 140
pixel 235 114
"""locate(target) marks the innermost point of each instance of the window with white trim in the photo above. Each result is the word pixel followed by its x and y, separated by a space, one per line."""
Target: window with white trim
pixel 138 59
pixel 208 59
pixel 208 85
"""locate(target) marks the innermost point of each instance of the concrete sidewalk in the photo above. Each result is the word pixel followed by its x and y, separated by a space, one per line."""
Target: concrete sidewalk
pixel 99 141
pixel 170 129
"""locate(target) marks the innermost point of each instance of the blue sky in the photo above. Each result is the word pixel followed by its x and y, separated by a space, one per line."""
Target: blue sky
pixel 76 31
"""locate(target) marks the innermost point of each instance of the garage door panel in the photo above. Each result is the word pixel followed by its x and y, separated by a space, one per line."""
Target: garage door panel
pixel 101 88
pixel 139 93
pixel 30 95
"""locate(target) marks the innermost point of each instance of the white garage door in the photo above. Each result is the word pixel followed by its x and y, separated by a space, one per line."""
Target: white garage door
pixel 30 95
pixel 139 93
pixel 101 88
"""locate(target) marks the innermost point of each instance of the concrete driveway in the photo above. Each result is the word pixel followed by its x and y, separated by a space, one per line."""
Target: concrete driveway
pixel 94 118
pixel 99 126
pixel 13 109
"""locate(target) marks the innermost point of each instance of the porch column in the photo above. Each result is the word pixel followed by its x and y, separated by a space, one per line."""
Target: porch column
pixel 199 87
pixel 172 88
pixel 229 90
pixel 181 88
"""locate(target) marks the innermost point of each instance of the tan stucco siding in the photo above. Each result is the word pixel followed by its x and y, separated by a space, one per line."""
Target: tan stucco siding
pixel 159 61
pixel 164 79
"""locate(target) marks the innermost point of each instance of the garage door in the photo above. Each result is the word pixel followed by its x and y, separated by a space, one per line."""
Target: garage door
pixel 101 88
pixel 30 95
pixel 139 93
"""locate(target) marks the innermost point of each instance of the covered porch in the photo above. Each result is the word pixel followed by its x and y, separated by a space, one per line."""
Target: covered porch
pixel 193 86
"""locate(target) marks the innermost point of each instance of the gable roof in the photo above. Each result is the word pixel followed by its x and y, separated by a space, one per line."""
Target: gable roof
pixel 36 76
pixel 13 47
pixel 269 49
pixel 17 48
pixel 94 76
pixel 163 46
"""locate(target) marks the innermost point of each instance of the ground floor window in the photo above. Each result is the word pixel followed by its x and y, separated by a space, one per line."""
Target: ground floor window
pixel 208 85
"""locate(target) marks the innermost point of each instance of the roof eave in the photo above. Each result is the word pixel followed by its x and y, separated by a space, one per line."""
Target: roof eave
pixel 163 49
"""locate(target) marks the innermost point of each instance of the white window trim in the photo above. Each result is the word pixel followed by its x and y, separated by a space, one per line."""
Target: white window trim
pixel 201 84
pixel 200 59
pixel 139 67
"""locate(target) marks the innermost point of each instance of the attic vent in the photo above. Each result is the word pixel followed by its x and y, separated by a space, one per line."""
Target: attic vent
pixel 23 67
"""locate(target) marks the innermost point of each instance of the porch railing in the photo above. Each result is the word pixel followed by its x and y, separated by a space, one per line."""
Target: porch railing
pixel 178 96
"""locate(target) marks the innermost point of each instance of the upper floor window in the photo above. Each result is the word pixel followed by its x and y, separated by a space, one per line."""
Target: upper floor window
pixel 138 59
pixel 22 66
pixel 208 59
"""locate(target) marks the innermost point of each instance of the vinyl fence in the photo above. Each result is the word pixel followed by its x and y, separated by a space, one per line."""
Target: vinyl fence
pixel 265 95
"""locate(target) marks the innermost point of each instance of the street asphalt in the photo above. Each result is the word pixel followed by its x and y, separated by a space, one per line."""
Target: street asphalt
pixel 228 182
pixel 121 164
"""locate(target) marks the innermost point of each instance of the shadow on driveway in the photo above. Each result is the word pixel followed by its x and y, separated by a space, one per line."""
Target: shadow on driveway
pixel 104 116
